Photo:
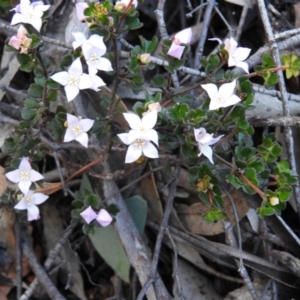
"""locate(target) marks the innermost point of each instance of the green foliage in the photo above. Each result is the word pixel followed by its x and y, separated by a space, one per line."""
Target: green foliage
pixel 292 64
pixel 265 72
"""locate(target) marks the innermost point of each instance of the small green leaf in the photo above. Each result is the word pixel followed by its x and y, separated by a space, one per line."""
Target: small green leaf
pixel 31 103
pixel 35 91
pixel 92 200
pixel 159 81
pixel 28 114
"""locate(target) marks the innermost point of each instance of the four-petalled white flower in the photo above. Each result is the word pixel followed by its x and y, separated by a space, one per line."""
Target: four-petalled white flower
pixel 73 80
pixel 77 130
pixel 24 176
pixel 30 201
pixel 223 97
pixel 236 55
pixel 205 140
pixel 29 13
pixel 140 136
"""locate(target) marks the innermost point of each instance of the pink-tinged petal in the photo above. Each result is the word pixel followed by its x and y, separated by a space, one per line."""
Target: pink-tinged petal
pixel 69 136
pixel 133 135
pixel 36 23
pixel 21 204
pixel 15 42
pixel 215 140
pixel 154 107
pixel 133 153
pixel 39 198
pixel 76 67
pixel 211 89
pixel 126 2
pixel 96 41
pixel 133 120
pixel 244 66
pixel 149 120
pixel 61 77
pixel 71 92
pixel 18 18
pixel 13 176
pixel 150 151
pixel 216 39
pixel 79 38
pixel 207 151
pixel 104 65
pixel 124 138
pixel 83 139
pixel 104 218
pixel 33 212
pixel 24 164
pixel 150 135
pixel 35 176
pixel 89 215
pixel 85 82
pixel 21 32
pixel 184 36
pixel 86 124
pixel 72 120
pixel 24 186
pixel 227 89
pixel 176 51
pixel 234 99
pixel 80 7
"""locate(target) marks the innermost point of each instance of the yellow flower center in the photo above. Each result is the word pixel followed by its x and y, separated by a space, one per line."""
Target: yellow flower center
pixel 28 201
pixel 24 175
pixel 30 15
pixel 76 129
pixel 100 10
pixel 140 143
pixel 73 80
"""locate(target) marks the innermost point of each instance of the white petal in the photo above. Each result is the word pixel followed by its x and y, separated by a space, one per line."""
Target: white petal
pixel 39 198
pixel 13 176
pixel 35 176
pixel 133 120
pixel 97 82
pixel 227 89
pixel 176 50
pixel 83 139
pixel 211 89
pixel 244 66
pixel 85 82
pixel 198 132
pixel 76 67
pixel 24 164
pixel 242 53
pixel 133 153
pixel 149 120
pixel 61 77
pixel 79 39
pixel 24 186
pixel 87 50
pixel 92 69
pixel 18 18
pixel 72 120
pixel 207 151
pixel 104 65
pixel 213 105
pixel 86 124
pixel 184 36
pixel 33 212
pixel 124 138
pixel 216 39
pixel 71 92
pixel 69 136
pixel 21 204
pixel 215 140
pixel 36 23
pixel 150 135
pixel 97 41
pixel 234 99
pixel 205 138
pixel 232 46
pixel 150 151
pixel 104 218
pixel 133 135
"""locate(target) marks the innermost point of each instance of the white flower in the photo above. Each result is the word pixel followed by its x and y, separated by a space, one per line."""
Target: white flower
pixel 204 141
pixel 24 176
pixel 142 128
pixel 104 218
pixel 73 80
pixel 236 55
pixel 29 13
pixel 120 5
pixel 95 61
pixel 77 130
pixel 94 40
pixel 223 97
pixel 30 202
pixel 137 148
pixel 80 7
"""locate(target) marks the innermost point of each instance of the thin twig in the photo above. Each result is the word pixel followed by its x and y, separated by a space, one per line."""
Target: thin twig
pixel 160 236
pixel 18 259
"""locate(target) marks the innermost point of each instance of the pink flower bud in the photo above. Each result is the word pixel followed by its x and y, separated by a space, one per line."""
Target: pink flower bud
pixel 104 218
pixel 15 42
pixel 80 7
pixel 88 215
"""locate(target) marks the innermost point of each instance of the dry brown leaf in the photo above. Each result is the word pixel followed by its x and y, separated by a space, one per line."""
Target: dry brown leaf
pixel 192 217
